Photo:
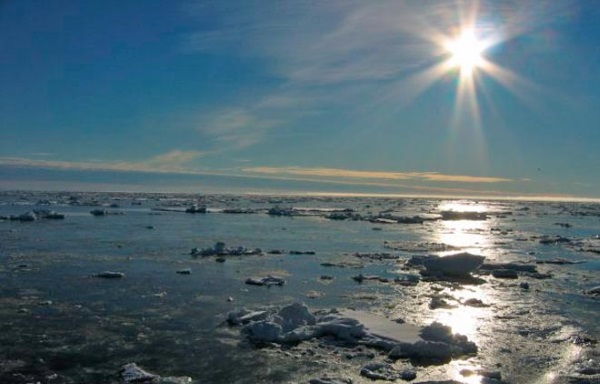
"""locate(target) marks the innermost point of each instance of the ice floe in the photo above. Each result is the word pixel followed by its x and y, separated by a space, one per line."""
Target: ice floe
pixel 295 323
pixel 132 373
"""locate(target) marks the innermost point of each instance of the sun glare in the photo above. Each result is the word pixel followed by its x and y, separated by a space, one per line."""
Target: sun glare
pixel 466 51
pixel 462 56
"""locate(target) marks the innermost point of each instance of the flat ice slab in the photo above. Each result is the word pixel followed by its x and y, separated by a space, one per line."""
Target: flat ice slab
pixel 385 328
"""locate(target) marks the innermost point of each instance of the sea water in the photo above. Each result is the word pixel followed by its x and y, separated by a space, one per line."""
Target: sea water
pixel 60 324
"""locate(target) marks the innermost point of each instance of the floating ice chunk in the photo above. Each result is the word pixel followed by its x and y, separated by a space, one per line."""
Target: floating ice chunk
pixel 593 291
pixel 438 302
pixel 383 328
pixel 302 252
pixel 419 260
pixel 524 285
pixel 456 265
pixel 268 281
pixel 554 240
pixel 438 343
pixel 27 216
pixel 196 209
pixel 278 211
pixel 131 373
pixel 47 214
pixel 560 261
pixel 244 316
pixel 512 266
pixel 385 371
pixel 505 274
pixel 330 380
pixel 110 275
pixel 346 329
pixel 289 325
pixel 104 212
pixel 360 278
pixel 264 332
pixel 220 249
pixel 294 323
pixel 296 315
pixel 472 302
pixel 314 294
pixel 174 380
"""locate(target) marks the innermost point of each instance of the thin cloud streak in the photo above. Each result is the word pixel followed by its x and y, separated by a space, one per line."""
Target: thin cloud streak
pixel 147 168
pixel 169 162
pixel 346 41
pixel 249 123
pixel 177 162
pixel 382 175
pixel 237 127
pixel 350 44
pixel 355 40
pixel 175 159
pixel 417 182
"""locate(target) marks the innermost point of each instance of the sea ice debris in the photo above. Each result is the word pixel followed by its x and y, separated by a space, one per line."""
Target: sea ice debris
pixel 594 291
pixel 131 373
pixel 385 371
pixel 268 281
pixel 295 323
pixel 456 265
pixel 110 275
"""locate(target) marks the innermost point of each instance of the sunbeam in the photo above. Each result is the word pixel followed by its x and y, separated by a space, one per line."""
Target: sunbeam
pixel 464 53
pixel 463 50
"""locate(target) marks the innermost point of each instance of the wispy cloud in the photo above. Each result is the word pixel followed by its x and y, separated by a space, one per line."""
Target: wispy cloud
pixel 375 175
pixel 346 41
pixel 326 42
pixel 177 162
pixel 237 127
pixel 42 154
pixel 244 125
pixel 172 162
pixel 314 49
pixel 347 50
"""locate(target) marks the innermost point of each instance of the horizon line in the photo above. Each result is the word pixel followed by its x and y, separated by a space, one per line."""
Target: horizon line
pixel 533 198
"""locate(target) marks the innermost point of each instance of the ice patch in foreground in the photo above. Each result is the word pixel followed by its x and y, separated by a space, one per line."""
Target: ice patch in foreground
pixel 294 323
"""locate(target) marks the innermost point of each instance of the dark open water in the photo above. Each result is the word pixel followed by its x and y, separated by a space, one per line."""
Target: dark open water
pixel 58 324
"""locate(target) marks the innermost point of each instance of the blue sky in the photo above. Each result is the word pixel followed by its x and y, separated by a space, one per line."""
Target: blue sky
pixel 303 95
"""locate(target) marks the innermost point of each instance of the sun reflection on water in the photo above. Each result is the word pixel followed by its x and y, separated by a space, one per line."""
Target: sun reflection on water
pixel 468 235
pixel 468 321
pixel 465 320
pixel 462 321
pixel 464 234
pixel 471 312
pixel 463 206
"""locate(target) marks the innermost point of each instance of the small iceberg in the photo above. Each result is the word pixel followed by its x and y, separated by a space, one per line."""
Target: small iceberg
pixel 132 373
pixel 196 209
pixel 294 323
pixel 110 275
pixel 267 281
pixel 458 265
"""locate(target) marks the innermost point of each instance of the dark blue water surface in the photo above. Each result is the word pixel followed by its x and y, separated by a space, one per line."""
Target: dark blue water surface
pixel 60 324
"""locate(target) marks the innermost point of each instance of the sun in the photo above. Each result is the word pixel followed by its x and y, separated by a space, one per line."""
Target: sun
pixel 466 51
